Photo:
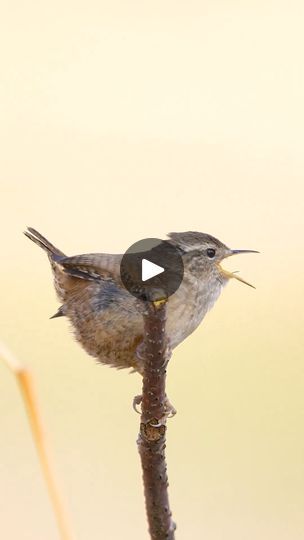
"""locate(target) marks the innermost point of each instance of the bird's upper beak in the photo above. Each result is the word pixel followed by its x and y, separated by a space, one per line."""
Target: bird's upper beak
pixel 237 251
pixel 230 275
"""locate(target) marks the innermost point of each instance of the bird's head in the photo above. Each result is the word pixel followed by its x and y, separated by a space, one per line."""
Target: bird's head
pixel 204 253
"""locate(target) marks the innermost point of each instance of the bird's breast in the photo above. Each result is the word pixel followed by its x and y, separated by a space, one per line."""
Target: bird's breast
pixel 189 305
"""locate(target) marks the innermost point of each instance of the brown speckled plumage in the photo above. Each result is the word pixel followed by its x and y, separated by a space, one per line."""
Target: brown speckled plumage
pixel 107 320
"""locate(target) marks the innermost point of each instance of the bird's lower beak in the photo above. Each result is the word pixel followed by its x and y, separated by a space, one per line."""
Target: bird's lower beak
pixel 233 275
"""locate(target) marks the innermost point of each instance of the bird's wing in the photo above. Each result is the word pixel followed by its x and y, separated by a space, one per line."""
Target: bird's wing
pixel 92 266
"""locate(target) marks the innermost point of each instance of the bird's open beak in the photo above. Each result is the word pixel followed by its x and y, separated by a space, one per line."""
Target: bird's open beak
pixel 231 275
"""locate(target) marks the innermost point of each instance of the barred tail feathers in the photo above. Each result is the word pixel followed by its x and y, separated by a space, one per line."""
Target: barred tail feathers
pixel 42 242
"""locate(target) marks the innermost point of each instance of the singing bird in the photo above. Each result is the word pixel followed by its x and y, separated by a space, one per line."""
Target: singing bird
pixel 105 317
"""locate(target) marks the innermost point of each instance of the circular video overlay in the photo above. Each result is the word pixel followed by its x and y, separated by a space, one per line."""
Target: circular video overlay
pixel 152 269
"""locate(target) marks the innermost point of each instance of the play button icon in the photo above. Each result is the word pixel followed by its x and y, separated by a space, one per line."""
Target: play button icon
pixel 152 269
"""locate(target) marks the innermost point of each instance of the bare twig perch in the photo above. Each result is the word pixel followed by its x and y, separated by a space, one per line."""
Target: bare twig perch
pixel 26 386
pixel 152 435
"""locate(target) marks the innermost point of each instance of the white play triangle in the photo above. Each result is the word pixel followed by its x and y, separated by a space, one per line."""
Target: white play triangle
pixel 150 269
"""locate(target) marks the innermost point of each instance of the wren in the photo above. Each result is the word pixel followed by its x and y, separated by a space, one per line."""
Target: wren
pixel 105 317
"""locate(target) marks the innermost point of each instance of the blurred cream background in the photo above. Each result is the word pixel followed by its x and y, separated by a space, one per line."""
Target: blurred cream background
pixel 121 120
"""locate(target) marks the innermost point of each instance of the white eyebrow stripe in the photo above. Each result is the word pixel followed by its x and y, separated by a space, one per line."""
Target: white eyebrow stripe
pixel 193 247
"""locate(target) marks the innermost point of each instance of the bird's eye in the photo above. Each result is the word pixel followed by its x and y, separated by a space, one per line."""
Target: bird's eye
pixel 210 253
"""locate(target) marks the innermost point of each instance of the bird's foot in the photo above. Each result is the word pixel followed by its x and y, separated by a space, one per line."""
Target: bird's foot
pixel 169 410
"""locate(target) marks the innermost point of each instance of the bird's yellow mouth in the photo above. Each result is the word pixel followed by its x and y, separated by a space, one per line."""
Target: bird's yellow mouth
pixel 233 275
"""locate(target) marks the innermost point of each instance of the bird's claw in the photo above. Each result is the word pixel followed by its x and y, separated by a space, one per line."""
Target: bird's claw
pixel 137 401
pixel 170 411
